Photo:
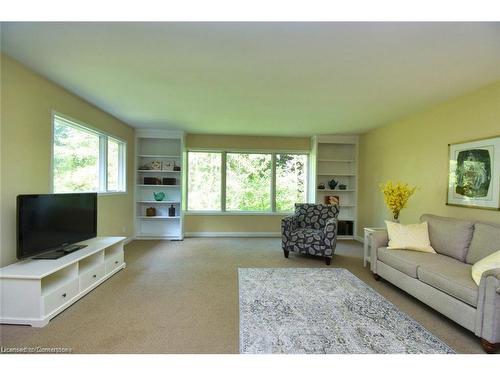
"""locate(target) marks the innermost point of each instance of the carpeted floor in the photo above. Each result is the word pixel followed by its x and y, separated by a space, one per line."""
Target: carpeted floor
pixel 182 297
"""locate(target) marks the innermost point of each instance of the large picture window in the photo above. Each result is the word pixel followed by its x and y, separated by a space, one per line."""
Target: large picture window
pixel 248 182
pixel 85 160
pixel 245 182
pixel 204 176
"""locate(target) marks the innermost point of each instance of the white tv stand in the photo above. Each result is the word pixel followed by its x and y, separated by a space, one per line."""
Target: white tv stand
pixel 34 291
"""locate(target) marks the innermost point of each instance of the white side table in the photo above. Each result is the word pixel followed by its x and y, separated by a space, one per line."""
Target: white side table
pixel 368 243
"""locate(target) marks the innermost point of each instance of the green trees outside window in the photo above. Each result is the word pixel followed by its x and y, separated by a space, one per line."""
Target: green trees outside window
pixel 204 181
pixel 246 182
pixel 85 160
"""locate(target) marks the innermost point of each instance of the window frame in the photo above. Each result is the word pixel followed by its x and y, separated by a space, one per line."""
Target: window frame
pixel 103 155
pixel 224 152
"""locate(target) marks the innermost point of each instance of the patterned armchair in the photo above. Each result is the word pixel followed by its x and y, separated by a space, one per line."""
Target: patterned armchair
pixel 311 230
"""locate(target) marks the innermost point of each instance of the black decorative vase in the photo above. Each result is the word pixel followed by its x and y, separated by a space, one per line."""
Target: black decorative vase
pixel 171 210
pixel 333 184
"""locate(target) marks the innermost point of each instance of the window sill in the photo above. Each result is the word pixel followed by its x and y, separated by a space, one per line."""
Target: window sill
pixel 106 193
pixel 237 213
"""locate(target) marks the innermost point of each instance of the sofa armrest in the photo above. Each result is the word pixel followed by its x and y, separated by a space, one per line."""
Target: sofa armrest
pixel 488 306
pixel 492 273
pixel 380 238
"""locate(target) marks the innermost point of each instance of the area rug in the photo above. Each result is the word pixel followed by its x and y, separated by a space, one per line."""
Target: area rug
pixel 323 310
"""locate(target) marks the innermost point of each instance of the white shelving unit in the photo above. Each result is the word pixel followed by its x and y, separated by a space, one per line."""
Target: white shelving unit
pixel 336 157
pixel 163 147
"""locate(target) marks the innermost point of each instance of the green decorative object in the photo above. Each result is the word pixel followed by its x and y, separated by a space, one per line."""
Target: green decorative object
pixel 159 196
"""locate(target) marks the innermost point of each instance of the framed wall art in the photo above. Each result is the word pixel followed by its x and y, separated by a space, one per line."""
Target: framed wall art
pixel 474 174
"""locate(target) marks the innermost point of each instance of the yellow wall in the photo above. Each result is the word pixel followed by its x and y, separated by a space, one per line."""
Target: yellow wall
pixel 27 100
pixel 415 150
pixel 247 142
pixel 240 223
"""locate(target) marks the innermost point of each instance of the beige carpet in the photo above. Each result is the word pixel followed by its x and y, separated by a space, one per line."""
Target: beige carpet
pixel 182 297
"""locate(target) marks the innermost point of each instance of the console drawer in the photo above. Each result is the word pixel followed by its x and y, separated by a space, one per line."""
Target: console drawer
pixel 114 261
pixel 60 296
pixel 92 276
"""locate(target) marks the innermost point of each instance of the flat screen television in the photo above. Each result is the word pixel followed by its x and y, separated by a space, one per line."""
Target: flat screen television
pixel 51 223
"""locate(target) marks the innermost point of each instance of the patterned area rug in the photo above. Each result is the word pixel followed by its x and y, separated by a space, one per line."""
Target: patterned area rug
pixel 323 310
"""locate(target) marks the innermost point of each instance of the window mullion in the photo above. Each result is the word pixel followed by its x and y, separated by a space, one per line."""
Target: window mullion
pixel 223 182
pixel 273 182
pixel 121 167
pixel 103 163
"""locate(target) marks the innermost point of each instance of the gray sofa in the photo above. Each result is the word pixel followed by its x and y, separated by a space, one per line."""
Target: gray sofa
pixel 443 280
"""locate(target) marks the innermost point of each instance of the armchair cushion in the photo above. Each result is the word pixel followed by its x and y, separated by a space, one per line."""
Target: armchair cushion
pixel 308 235
pixel 314 215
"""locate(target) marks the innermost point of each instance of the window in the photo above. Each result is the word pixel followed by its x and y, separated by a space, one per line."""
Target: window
pixel 116 157
pixel 248 182
pixel 204 176
pixel 85 160
pixel 290 180
pixel 245 182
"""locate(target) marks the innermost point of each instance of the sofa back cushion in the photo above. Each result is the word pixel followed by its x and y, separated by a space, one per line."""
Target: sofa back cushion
pixel 485 241
pixel 451 237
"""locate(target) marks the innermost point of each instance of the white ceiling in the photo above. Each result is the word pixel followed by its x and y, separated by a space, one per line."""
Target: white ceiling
pixel 260 78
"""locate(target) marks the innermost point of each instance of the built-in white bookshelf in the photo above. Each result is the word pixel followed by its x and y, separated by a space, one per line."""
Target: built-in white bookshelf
pixel 336 158
pixel 157 153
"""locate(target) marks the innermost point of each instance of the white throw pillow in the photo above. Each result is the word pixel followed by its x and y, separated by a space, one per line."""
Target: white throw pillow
pixel 409 237
pixel 491 262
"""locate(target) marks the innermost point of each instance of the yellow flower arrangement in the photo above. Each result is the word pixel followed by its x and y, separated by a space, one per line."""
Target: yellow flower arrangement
pixel 396 196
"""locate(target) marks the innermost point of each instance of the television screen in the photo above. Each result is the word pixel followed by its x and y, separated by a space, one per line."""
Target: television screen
pixel 50 221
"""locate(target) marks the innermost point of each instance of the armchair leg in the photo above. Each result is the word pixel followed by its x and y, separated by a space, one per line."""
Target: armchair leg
pixel 286 252
pixel 376 277
pixel 328 260
pixel 488 347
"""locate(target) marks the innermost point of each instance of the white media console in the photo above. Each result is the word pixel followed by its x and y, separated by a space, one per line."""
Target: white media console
pixel 34 291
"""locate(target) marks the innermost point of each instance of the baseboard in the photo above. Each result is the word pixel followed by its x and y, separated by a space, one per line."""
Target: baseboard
pixel 232 234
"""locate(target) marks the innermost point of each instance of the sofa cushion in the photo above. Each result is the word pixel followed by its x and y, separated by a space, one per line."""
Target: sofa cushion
pixel 449 236
pixel 453 278
pixel 491 262
pixel 406 261
pixel 409 237
pixel 485 241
